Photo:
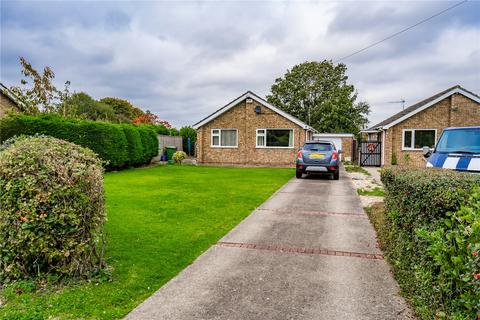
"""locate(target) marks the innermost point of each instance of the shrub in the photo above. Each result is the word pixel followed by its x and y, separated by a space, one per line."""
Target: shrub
pixel 188 132
pixel 118 145
pixel 453 249
pixel 179 156
pixel 149 142
pixel 422 241
pixel 52 209
pixel 135 146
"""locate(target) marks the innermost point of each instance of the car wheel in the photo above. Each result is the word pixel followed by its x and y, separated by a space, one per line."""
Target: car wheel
pixel 336 175
pixel 298 174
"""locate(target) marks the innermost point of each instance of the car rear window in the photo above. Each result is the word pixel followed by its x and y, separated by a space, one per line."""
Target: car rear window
pixel 318 146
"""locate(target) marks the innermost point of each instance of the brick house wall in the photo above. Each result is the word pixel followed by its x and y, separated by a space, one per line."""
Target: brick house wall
pixel 6 104
pixel 243 118
pixel 454 111
pixel 347 148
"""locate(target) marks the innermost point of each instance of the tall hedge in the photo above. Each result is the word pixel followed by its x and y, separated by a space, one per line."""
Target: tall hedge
pixel 431 234
pixel 118 145
pixel 135 146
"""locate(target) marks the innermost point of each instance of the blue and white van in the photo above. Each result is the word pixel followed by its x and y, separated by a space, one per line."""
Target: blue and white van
pixel 457 149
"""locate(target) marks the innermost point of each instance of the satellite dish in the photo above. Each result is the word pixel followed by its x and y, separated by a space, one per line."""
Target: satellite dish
pixel 258 109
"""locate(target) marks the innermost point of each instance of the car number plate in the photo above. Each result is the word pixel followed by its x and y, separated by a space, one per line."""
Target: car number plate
pixel 317 156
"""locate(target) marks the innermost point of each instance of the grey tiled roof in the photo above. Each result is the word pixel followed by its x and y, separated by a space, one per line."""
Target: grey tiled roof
pixel 416 106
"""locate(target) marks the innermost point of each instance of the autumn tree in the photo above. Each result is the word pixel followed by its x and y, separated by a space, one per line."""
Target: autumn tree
pixel 151 119
pixel 318 94
pixel 37 92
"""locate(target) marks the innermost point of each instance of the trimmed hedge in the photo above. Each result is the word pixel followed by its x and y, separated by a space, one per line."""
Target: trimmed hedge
pixel 118 145
pixel 423 234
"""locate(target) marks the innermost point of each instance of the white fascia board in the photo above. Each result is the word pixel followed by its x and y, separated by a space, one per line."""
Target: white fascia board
pixel 431 103
pixel 333 135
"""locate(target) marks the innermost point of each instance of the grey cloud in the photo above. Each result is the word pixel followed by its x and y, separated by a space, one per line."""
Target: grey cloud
pixel 184 60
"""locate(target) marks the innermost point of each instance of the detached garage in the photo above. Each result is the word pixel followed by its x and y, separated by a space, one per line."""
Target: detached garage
pixel 342 141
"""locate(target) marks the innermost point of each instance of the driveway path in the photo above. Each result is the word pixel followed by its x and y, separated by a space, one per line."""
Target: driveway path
pixel 308 252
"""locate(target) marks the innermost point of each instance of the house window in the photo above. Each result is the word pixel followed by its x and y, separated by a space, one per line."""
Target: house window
pixel 226 138
pixel 274 138
pixel 416 139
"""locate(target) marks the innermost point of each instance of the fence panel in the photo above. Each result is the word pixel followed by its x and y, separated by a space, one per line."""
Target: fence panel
pixel 168 141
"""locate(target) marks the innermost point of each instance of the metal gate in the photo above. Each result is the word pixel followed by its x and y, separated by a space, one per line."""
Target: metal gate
pixel 371 153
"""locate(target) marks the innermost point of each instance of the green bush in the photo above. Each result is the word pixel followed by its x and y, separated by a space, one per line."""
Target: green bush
pixel 418 238
pixel 188 132
pixel 118 145
pixel 135 146
pixel 149 142
pixel 179 156
pixel 52 216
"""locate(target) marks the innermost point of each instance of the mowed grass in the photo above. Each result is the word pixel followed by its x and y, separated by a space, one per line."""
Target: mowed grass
pixel 159 220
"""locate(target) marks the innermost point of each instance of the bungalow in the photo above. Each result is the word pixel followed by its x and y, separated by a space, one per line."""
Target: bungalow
pixel 250 131
pixel 402 136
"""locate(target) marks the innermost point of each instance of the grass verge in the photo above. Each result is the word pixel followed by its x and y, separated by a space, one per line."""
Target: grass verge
pixel 159 220
pixel 355 168
pixel 376 192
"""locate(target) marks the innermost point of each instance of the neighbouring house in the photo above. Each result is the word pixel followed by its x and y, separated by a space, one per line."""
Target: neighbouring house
pixel 249 131
pixel 402 136
pixel 8 101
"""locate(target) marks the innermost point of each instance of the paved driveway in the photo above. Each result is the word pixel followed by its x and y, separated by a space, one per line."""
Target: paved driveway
pixel 309 252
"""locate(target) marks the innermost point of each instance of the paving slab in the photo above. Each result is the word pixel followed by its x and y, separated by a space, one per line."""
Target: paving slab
pixel 236 283
pixel 253 274
pixel 343 232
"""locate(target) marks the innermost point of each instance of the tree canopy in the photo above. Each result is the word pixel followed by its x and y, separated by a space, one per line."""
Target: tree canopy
pixel 38 94
pixel 318 94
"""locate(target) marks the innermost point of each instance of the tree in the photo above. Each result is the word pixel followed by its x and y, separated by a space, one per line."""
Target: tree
pixel 37 92
pixel 151 119
pixel 318 94
pixel 124 110
pixel 81 105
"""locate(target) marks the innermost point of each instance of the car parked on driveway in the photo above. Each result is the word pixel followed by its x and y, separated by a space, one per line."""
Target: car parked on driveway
pixel 457 149
pixel 318 157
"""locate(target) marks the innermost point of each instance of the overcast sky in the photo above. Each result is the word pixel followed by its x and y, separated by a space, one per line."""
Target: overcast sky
pixel 184 60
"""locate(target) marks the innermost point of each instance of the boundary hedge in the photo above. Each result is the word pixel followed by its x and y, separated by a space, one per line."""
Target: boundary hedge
pixel 118 145
pixel 430 232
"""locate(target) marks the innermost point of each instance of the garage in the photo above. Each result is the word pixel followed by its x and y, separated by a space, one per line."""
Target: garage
pixel 342 141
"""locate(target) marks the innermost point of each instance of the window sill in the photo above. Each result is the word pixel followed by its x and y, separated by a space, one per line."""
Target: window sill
pixel 412 149
pixel 274 147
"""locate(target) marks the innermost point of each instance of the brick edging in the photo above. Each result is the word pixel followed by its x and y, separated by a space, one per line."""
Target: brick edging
pixel 290 249
pixel 313 213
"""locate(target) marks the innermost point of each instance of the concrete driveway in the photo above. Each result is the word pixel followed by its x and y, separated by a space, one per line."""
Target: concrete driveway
pixel 308 252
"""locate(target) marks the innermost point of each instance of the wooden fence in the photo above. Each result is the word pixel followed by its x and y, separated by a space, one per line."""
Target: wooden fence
pixel 168 141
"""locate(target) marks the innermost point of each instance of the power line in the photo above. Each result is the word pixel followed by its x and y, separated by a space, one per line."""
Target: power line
pixel 401 31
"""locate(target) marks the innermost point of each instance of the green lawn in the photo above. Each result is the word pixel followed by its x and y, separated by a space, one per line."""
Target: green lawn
pixel 159 220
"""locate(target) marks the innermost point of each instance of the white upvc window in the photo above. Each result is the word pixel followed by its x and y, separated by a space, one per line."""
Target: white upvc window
pixel 274 138
pixel 416 139
pixel 224 138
